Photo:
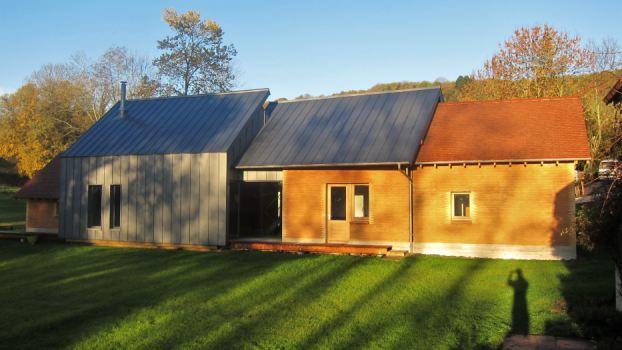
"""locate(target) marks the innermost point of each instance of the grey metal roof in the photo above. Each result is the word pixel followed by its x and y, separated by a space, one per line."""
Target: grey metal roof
pixel 374 128
pixel 184 124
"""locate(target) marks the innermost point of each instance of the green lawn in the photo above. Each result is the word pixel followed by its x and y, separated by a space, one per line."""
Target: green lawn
pixel 12 212
pixel 56 295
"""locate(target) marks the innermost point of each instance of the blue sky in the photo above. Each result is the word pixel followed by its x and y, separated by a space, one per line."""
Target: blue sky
pixel 315 47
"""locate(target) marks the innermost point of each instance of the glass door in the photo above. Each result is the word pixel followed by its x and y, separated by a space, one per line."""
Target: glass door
pixel 337 214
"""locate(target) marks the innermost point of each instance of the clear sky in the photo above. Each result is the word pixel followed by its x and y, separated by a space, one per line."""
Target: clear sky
pixel 297 47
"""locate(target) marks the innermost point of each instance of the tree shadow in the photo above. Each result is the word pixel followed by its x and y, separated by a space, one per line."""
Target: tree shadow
pixel 587 309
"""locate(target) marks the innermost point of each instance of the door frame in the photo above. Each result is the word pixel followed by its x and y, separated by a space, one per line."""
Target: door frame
pixel 327 211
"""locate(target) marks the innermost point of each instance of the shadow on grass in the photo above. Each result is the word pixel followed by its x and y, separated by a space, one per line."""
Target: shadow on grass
pixel 520 313
pixel 588 308
pixel 56 295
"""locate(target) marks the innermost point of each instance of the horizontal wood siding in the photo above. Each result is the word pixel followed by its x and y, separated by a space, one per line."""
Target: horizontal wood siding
pixel 304 204
pixel 177 199
pixel 511 205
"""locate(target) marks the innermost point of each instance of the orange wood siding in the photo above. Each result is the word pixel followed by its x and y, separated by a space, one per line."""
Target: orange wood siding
pixel 304 203
pixel 40 214
pixel 517 205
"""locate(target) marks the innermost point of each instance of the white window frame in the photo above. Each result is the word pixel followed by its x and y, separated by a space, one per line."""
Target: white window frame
pixel 452 212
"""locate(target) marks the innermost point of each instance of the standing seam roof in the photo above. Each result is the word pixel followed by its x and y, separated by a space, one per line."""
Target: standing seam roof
pixel 171 125
pixel 372 128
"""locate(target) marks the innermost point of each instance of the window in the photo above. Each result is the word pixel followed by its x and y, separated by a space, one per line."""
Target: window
pixel 56 209
pixel 115 206
pixel 461 206
pixel 361 202
pixel 95 206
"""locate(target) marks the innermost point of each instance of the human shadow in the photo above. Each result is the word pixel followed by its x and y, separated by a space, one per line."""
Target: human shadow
pixel 520 312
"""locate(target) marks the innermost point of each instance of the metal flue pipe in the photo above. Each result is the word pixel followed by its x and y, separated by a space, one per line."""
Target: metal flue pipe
pixel 122 108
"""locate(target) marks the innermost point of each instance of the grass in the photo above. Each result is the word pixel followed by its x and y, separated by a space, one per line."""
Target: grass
pixel 12 212
pixel 55 295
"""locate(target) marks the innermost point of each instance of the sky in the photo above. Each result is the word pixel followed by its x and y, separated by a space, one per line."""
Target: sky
pixel 293 48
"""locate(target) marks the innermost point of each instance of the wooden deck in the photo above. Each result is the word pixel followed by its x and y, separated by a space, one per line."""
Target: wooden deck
pixel 313 247
pixel 148 245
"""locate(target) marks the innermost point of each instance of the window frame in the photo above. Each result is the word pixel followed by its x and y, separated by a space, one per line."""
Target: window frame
pixel 112 206
pixel 462 219
pixel 354 219
pixel 90 211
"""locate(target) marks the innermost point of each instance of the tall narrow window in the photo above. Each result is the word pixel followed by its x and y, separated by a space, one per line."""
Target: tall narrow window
pixel 95 206
pixel 338 203
pixel 461 206
pixel 115 206
pixel 361 202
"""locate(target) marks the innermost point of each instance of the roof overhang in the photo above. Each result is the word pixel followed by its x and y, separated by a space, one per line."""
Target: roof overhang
pixel 503 161
pixel 614 93
pixel 319 165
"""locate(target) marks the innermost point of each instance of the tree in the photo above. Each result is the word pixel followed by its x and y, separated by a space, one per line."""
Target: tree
pixel 34 125
pixel 100 80
pixel 599 226
pixel 195 60
pixel 602 120
pixel 535 62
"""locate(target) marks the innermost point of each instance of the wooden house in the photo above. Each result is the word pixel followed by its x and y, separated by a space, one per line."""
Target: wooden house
pixel 404 169
pixel 398 170
pixel 157 170
pixel 41 194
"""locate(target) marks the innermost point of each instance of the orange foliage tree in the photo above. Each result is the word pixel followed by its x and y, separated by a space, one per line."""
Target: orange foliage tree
pixel 36 123
pixel 535 62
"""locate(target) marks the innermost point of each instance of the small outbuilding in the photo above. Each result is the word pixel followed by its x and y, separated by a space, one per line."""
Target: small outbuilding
pixel 41 194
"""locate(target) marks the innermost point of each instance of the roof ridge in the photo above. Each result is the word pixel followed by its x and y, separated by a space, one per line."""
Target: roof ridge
pixel 537 99
pixel 200 95
pixel 361 94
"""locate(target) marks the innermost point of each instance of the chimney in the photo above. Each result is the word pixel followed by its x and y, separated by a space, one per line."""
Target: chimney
pixel 122 109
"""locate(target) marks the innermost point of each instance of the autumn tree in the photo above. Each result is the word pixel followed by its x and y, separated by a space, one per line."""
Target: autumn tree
pixel 37 123
pixel 195 60
pixel 602 120
pixel 535 62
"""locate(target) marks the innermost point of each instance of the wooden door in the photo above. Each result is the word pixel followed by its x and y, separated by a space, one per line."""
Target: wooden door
pixel 338 210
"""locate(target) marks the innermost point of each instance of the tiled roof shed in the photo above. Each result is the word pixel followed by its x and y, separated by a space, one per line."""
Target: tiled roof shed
pixel 45 184
pixel 507 130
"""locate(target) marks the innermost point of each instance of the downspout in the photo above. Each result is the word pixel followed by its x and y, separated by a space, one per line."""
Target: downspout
pixel 410 192
pixel 410 205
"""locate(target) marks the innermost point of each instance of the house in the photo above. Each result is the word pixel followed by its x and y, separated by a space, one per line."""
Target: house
pixel 485 179
pixel 615 94
pixel 399 170
pixel 157 170
pixel 41 194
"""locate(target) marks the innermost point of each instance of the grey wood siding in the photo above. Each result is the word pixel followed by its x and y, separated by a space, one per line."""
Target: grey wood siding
pixel 179 198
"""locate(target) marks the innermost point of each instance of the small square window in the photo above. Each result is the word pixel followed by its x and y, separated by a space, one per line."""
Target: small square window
pixel 461 206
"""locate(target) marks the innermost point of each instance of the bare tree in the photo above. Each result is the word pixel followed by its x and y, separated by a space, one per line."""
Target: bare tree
pixel 100 79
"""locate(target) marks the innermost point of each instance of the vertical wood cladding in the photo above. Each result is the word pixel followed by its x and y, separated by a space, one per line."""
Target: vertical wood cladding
pixel 515 205
pixel 178 198
pixel 41 214
pixel 304 204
